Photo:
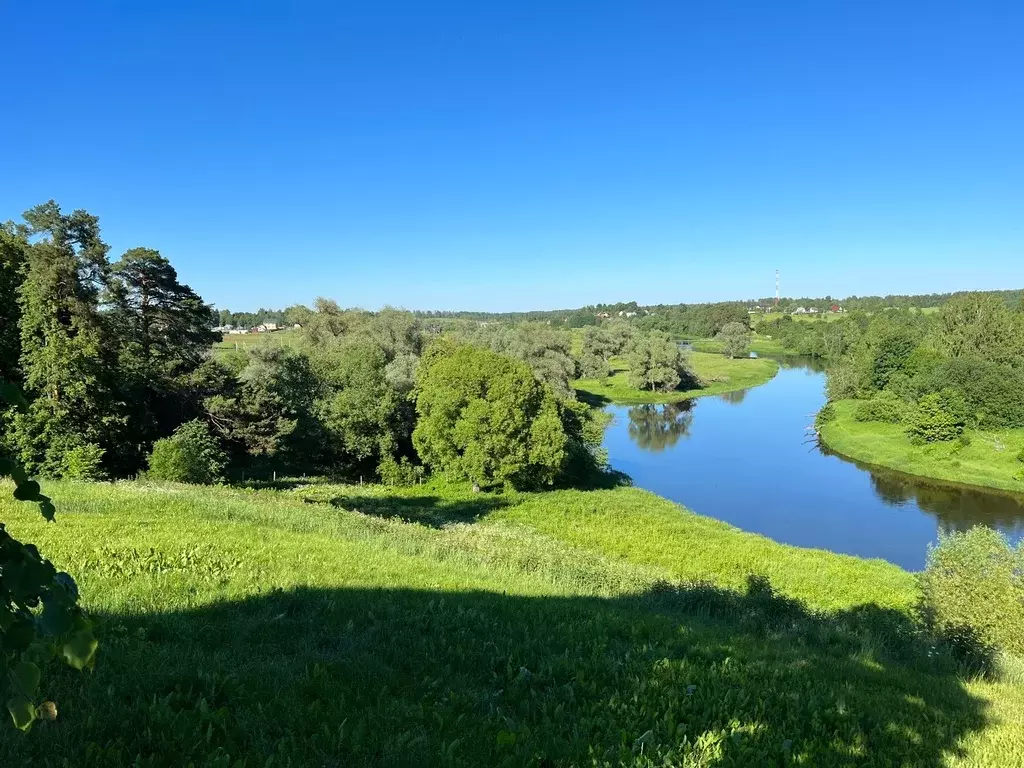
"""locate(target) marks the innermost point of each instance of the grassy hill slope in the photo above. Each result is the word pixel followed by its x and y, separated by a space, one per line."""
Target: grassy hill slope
pixel 435 626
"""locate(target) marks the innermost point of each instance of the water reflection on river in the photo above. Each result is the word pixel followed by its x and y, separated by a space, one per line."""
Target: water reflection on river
pixel 748 458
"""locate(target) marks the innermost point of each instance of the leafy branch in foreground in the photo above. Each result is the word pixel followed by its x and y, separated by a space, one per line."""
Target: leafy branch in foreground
pixel 32 636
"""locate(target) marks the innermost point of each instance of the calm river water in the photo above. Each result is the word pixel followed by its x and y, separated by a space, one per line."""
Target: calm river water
pixel 749 458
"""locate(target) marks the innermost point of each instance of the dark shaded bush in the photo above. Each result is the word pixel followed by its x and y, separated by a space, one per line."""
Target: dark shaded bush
pixel 973 592
pixel 190 455
pixel 993 393
pixel 885 406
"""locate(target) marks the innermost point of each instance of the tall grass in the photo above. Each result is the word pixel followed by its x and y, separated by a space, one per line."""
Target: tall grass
pixel 351 625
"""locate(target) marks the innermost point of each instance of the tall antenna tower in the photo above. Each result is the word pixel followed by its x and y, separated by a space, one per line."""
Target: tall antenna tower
pixel 776 289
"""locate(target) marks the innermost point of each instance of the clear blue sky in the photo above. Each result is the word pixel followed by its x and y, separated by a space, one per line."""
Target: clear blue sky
pixel 519 155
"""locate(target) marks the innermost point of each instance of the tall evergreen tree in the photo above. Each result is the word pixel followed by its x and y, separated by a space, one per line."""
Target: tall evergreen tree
pixel 62 342
pixel 13 255
pixel 162 332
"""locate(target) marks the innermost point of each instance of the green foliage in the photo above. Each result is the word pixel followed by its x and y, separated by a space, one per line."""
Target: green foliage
pixel 594 366
pixel 994 392
pixel 547 351
pixel 29 637
pixel 13 257
pixel 399 472
pixel 938 417
pixel 885 407
pixel 657 364
pixel 973 591
pixel 695 321
pixel 982 326
pixel 484 417
pixel 82 462
pixel 735 338
pixel 826 415
pixel 190 455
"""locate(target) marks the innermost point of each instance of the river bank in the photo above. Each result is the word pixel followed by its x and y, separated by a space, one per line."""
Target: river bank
pixel 751 458
pixel 986 459
pixel 718 374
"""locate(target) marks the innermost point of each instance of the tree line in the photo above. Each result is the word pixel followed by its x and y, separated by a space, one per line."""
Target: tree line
pixel 938 373
pixel 115 359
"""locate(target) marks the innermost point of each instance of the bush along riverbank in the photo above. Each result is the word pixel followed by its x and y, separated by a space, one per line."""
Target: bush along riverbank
pixel 367 624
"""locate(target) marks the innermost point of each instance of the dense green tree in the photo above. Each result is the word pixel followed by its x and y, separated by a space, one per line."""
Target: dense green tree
pixel 164 327
pixel 63 343
pixel 982 326
pixel 265 414
pixel 162 331
pixel 486 418
pixel 13 258
pixel 735 338
pixel 656 363
pixel 546 350
pixel 367 420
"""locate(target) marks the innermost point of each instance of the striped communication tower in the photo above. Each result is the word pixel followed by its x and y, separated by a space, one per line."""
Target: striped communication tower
pixel 776 289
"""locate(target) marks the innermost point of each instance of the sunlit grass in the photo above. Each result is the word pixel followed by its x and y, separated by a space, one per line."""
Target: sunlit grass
pixel 989 460
pixel 718 373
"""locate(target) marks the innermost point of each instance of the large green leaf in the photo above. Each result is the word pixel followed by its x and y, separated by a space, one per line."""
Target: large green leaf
pixel 80 651
pixel 25 677
pixel 23 712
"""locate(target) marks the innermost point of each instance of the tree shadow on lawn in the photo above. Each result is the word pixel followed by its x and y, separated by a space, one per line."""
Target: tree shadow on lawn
pixel 434 511
pixel 694 675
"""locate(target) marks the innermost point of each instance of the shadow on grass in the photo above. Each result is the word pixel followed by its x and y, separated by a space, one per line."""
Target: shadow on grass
pixel 427 510
pixel 694 675
pixel 592 399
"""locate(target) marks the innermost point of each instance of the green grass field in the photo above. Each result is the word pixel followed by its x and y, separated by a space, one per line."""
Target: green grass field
pixel 990 460
pixel 244 341
pixel 760 345
pixel 340 625
pixel 719 374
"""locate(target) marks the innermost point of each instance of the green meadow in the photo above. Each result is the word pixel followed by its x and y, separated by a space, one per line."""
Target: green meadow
pixel 717 373
pixel 356 625
pixel 987 458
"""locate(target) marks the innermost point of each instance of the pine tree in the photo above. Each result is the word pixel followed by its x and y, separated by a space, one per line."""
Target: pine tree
pixel 62 342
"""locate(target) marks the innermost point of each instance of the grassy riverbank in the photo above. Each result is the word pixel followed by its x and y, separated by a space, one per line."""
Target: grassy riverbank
pixel 435 626
pixel 761 345
pixel 718 373
pixel 990 460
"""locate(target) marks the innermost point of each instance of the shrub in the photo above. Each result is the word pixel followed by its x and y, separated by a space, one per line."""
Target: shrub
pixel 935 421
pixel 885 406
pixel 402 472
pixel 973 592
pixel 1020 456
pixel 190 455
pixel 994 393
pixel 843 380
pixel 825 415
pixel 84 462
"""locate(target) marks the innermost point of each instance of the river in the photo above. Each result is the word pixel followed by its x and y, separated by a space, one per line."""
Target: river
pixel 750 458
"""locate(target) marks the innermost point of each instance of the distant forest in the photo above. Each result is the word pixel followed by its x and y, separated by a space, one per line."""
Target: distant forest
pixel 589 315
